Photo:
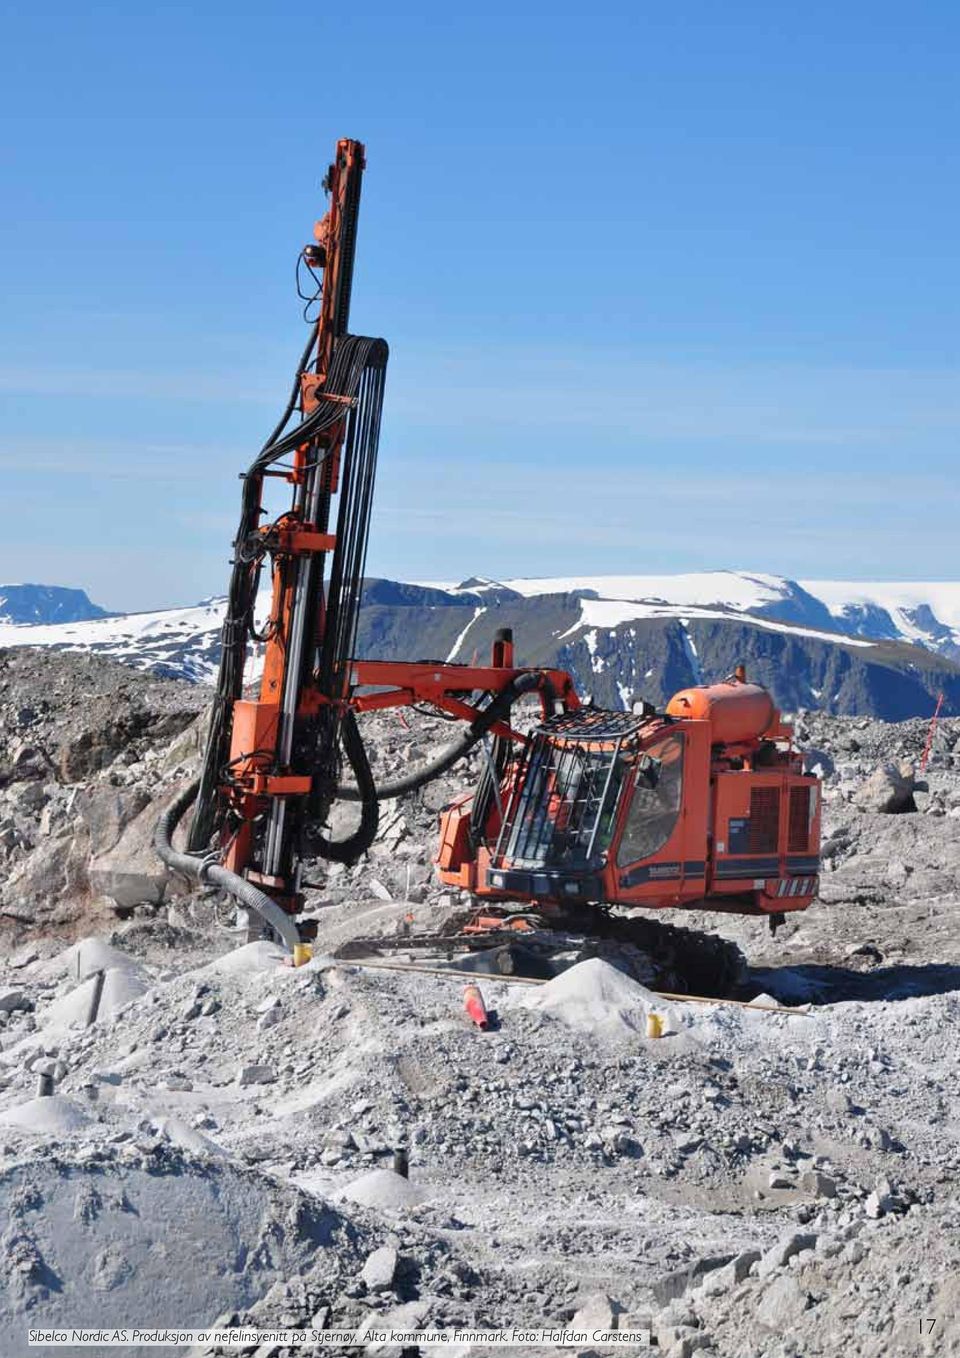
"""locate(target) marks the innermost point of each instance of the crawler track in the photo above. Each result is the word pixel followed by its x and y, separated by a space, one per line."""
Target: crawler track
pixel 661 956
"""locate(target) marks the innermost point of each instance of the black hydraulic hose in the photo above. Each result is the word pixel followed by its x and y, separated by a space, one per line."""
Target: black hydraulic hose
pixel 350 357
pixel 478 728
pixel 487 791
pixel 350 849
pixel 205 870
pixel 294 391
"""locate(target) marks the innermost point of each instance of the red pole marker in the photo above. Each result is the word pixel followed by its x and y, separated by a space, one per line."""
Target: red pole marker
pixel 475 1007
pixel 930 734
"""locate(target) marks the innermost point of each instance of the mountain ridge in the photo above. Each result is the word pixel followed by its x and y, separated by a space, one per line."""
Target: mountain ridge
pixel 851 648
pixel 29 604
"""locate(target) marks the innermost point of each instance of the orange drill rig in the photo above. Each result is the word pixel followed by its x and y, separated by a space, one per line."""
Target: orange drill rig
pixel 705 805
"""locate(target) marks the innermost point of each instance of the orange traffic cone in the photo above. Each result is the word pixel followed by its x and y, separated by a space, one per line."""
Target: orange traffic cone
pixel 475 1007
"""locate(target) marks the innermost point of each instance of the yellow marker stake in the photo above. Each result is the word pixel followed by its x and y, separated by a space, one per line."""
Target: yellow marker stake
pixel 654 1025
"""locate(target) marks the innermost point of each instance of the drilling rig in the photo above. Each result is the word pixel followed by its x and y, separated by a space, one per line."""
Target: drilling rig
pixel 705 805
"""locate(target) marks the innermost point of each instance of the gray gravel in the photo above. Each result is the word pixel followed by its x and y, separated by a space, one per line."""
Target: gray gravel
pixel 754 1183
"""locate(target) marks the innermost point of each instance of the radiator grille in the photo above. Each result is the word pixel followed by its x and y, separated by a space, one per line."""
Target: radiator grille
pixel 764 819
pixel 799 836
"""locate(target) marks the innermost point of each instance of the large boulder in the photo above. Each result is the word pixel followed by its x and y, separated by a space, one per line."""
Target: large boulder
pixel 25 761
pixel 49 885
pixel 186 748
pixel 130 873
pixel 106 812
pixel 890 788
pixel 83 753
pixel 91 1241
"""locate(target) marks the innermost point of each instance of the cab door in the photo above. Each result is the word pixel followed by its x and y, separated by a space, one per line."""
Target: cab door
pixel 662 845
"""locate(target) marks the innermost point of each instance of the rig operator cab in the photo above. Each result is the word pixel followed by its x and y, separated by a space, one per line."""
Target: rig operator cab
pixel 703 806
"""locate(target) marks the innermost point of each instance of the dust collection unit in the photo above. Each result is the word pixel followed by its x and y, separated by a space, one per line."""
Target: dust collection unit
pixel 702 806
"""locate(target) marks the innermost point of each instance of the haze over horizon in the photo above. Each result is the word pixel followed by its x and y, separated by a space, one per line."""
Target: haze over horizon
pixel 661 291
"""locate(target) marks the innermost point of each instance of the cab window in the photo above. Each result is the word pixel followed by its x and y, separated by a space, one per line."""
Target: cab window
pixel 654 811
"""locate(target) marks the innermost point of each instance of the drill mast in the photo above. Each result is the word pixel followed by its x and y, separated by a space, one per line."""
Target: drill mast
pixel 272 763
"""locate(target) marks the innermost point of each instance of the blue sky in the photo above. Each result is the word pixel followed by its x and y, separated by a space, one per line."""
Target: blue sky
pixel 666 286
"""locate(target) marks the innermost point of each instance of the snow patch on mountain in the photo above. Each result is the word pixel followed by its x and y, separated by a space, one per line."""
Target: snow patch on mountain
pixel 607 614
pixel 689 646
pixel 182 642
pixel 735 590
pixel 455 649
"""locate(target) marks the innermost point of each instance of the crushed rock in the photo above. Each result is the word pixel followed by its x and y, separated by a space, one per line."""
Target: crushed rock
pixel 383 1190
pixel 120 987
pixel 51 1115
pixel 598 999
pixel 558 1157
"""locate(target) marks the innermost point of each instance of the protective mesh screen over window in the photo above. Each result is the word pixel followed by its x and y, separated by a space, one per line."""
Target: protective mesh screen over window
pixel 764 819
pixel 799 835
pixel 654 810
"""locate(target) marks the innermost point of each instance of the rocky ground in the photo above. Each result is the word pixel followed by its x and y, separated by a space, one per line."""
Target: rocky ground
pixel 222 1136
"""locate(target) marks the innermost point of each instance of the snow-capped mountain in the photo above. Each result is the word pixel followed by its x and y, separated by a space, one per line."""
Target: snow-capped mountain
pixel 924 613
pixel 882 649
pixel 180 643
pixel 45 603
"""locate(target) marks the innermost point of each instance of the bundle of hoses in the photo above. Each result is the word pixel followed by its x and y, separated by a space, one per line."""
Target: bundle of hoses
pixel 353 355
pixel 205 869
